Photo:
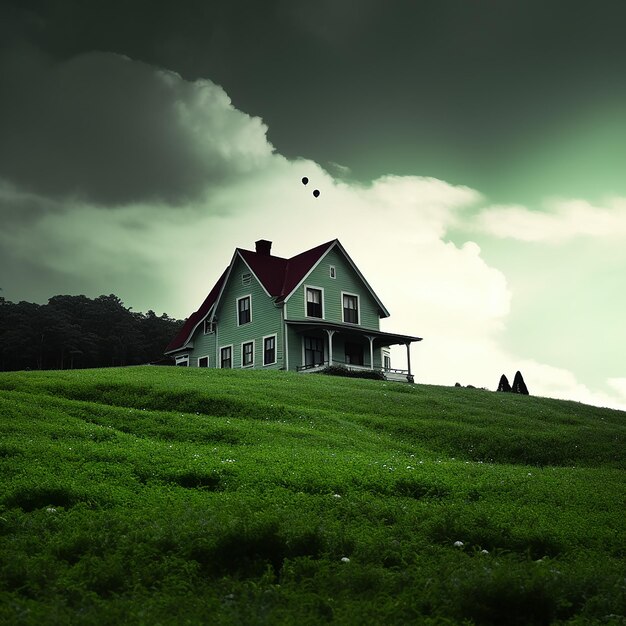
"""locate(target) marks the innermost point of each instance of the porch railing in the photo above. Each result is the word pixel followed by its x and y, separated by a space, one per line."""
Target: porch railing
pixel 388 372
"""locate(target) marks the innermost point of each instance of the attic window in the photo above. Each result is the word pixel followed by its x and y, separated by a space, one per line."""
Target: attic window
pixel 246 279
pixel 332 272
pixel 209 327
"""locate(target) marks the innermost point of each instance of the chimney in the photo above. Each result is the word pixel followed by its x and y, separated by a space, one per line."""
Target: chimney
pixel 263 246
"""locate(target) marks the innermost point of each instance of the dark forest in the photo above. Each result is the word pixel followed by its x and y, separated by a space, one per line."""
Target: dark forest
pixel 71 332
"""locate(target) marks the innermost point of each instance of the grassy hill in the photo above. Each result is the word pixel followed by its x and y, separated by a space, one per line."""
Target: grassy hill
pixel 184 496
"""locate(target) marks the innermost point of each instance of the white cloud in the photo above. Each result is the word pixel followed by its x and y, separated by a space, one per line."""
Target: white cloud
pixel 563 220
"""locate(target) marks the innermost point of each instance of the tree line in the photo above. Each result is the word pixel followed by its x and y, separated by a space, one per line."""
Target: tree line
pixel 77 332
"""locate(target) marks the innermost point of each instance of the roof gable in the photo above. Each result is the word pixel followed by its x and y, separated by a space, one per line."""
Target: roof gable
pixel 337 245
pixel 279 278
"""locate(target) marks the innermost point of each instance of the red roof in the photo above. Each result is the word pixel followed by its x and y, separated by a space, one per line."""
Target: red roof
pixel 278 276
pixel 281 276
pixel 188 327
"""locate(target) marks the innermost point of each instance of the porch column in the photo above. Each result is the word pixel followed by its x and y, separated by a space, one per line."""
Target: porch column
pixel 371 351
pixel 408 362
pixel 330 334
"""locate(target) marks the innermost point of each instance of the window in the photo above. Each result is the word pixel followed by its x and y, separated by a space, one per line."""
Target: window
pixel 387 362
pixel 209 327
pixel 313 351
pixel 354 353
pixel 332 272
pixel 182 361
pixel 246 279
pixel 269 350
pixel 226 357
pixel 247 354
pixel 243 310
pixel 203 361
pixel 314 302
pixel 350 308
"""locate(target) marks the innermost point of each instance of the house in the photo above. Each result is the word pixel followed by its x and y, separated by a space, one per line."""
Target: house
pixel 302 314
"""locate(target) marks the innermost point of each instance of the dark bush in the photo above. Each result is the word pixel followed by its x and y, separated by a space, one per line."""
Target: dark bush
pixel 503 385
pixel 519 386
pixel 341 370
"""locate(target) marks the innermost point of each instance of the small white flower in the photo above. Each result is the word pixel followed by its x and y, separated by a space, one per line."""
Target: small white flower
pixel 458 544
pixel 484 551
pixel 51 509
pixel 345 559
pixel 336 495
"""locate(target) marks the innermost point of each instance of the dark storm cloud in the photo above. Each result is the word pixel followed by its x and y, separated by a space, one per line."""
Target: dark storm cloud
pixel 102 128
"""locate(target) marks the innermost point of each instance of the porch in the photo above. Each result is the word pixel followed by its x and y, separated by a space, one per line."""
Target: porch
pixel 396 375
pixel 323 344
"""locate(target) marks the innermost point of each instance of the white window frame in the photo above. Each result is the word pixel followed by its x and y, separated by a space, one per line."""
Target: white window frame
pixel 321 289
pixel 358 307
pixel 243 343
pixel 332 271
pixel 275 349
pixel 180 358
pixel 208 324
pixel 237 309
pixel 208 360
pixel 232 356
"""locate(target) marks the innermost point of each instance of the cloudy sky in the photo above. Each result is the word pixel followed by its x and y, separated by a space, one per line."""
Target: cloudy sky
pixel 471 157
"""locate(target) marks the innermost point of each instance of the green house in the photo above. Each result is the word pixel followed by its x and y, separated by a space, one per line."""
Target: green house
pixel 303 314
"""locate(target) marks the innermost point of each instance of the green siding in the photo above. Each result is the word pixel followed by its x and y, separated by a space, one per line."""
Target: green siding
pixel 294 344
pixel 203 345
pixel 346 280
pixel 265 320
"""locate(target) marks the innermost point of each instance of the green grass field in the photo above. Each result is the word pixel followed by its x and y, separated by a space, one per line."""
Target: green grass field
pixel 186 496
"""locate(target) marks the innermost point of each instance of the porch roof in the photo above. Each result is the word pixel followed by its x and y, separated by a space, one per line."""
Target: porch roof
pixel 380 338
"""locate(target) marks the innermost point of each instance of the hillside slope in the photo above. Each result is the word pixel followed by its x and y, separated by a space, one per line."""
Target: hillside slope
pixel 171 494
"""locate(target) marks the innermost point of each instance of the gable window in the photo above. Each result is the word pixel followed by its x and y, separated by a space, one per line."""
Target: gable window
pixel 243 310
pixel 314 302
pixel 246 279
pixel 350 308
pixel 332 272
pixel 203 361
pixel 269 350
pixel 226 357
pixel 209 327
pixel 247 354
pixel 183 360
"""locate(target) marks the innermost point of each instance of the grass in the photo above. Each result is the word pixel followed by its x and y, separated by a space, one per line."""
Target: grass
pixel 183 496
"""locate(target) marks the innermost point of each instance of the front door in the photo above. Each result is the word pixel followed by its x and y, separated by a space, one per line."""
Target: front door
pixel 313 350
pixel 354 354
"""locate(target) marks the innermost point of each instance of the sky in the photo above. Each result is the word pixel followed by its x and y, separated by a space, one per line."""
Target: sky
pixel 470 154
